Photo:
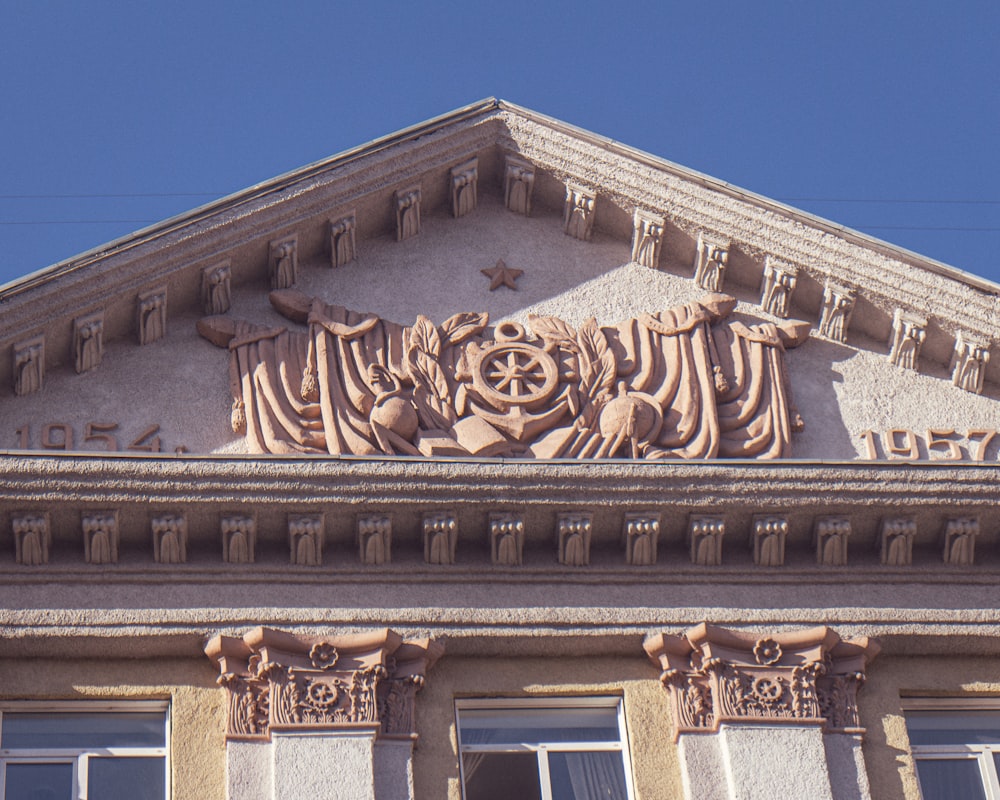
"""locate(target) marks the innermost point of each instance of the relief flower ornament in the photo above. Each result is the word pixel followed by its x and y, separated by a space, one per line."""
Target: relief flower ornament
pixel 767 651
pixel 323 655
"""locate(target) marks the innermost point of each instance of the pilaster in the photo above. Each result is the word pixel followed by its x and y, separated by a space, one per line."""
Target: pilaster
pixel 320 716
pixel 775 714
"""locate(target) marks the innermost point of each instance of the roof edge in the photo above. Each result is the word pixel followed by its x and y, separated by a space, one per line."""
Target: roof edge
pixel 254 192
pixel 863 239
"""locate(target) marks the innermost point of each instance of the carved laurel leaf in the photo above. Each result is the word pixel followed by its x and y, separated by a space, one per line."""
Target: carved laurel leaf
pixel 598 367
pixel 430 394
pixel 552 329
pixel 424 337
pixel 461 326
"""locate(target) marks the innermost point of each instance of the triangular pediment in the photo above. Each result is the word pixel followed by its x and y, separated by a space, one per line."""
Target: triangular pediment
pixel 434 297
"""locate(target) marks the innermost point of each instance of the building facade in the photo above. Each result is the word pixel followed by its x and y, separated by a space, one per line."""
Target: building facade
pixel 491 459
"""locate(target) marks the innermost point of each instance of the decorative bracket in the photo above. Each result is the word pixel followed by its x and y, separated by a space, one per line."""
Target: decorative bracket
pixel 717 675
pixel 279 681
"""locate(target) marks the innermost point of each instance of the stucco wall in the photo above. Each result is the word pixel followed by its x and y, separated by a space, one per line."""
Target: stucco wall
pixel 197 708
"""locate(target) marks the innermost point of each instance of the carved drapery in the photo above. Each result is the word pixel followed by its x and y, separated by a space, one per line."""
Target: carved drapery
pixel 276 680
pixel 683 383
pixel 715 675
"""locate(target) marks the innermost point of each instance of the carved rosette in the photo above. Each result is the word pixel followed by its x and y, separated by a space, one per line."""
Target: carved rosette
pixel 278 681
pixel 717 675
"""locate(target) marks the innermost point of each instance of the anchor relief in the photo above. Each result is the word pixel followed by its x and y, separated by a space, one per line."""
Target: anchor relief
pixel 689 382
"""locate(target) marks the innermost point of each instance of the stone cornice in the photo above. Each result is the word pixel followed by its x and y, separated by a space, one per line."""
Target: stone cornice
pixel 394 482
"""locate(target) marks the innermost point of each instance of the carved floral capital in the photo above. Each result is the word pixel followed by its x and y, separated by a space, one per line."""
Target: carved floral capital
pixel 276 680
pixel 716 675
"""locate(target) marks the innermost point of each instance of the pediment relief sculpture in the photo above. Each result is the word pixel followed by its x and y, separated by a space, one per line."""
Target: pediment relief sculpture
pixel 689 382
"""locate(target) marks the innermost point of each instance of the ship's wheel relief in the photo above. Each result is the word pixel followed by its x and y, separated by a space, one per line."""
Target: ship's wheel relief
pixel 513 372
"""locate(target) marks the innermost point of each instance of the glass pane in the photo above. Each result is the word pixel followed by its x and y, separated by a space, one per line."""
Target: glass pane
pixel 587 776
pixel 39 782
pixel 950 779
pixel 79 731
pixel 134 778
pixel 953 727
pixel 501 776
pixel 538 725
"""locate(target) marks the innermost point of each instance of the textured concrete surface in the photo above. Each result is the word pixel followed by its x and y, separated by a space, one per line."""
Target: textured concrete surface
pixel 323 766
pixel 702 767
pixel 846 764
pixel 393 764
pixel 249 768
pixel 767 761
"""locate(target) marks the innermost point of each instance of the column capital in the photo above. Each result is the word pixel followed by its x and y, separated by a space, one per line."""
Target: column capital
pixel 276 680
pixel 717 675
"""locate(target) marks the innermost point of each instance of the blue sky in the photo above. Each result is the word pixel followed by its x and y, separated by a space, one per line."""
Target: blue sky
pixel 882 116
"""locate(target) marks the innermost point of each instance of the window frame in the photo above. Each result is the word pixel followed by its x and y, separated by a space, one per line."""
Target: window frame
pixel 986 755
pixel 543 749
pixel 80 757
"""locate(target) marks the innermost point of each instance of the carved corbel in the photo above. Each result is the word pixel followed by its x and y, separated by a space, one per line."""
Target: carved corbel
pixel 374 539
pixel 711 260
pixel 151 315
pixel 959 537
pixel 170 534
pixel 767 540
pixel 464 187
pixel 647 238
pixel 275 679
pixel 641 533
pixel 88 341
pixel 574 531
pixel 32 537
pixel 407 202
pixel 305 539
pixel 29 365
pixel 578 212
pixel 342 241
pixel 895 541
pixel 704 536
pixel 830 535
pixel 216 290
pixel 835 314
pixel 968 363
pixel 518 185
pixel 506 539
pixel 239 538
pixel 717 675
pixel 283 262
pixel 440 537
pixel 908 334
pixel 100 537
pixel 779 282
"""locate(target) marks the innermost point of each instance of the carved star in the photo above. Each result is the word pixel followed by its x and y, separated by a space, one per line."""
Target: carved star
pixel 502 275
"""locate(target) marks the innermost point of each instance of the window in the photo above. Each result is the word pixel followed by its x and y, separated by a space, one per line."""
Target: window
pixel 562 749
pixel 956 744
pixel 83 751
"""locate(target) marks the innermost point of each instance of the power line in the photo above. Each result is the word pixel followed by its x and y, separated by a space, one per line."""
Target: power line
pixel 78 222
pixel 90 196
pixel 887 202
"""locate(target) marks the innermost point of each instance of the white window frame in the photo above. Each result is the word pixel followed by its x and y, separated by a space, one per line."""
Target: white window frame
pixel 983 754
pixel 542 750
pixel 80 757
